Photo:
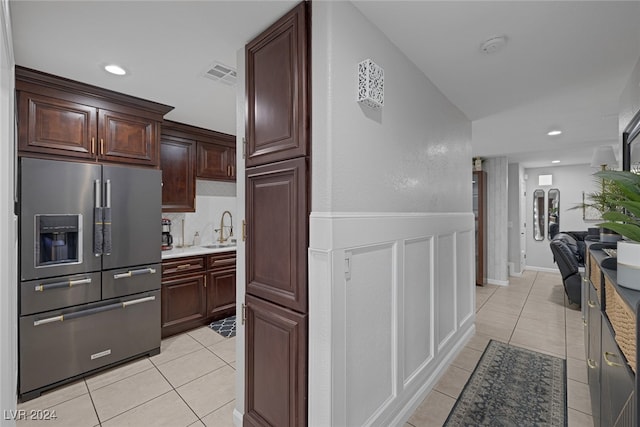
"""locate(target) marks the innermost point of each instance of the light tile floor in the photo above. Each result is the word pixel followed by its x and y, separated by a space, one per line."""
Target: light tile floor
pixel 531 312
pixel 190 383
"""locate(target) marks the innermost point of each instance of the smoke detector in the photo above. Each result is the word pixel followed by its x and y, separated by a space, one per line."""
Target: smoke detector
pixel 221 73
pixel 493 44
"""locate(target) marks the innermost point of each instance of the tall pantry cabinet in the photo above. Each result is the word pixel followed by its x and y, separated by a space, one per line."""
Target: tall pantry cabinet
pixel 277 228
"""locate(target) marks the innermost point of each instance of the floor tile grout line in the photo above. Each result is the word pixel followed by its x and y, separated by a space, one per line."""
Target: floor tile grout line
pixel 217 409
pixel 121 379
pixel 92 402
pixel 179 395
pixel 134 407
pixel 520 315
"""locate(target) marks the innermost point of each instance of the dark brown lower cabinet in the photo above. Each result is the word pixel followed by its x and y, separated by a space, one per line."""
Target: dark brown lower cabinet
pixel 197 290
pixel 276 363
pixel 183 303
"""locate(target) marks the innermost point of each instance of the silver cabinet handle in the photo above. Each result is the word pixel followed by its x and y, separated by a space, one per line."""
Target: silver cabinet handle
pixel 57 285
pixel 134 273
pixel 48 320
pixel 138 301
pixel 97 219
pixel 592 364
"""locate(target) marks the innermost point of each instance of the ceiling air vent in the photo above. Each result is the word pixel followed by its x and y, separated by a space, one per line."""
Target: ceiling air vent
pixel 221 73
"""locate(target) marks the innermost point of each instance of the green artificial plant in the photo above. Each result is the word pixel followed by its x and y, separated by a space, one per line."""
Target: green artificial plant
pixel 622 203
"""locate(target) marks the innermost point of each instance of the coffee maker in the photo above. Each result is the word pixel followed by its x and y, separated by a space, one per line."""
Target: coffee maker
pixel 167 238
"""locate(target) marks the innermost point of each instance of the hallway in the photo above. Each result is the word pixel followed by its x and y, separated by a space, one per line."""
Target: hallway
pixel 532 312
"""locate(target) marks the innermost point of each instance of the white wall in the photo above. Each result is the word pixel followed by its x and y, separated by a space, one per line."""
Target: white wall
pixel 391 193
pixel 571 181
pixel 411 156
pixel 8 226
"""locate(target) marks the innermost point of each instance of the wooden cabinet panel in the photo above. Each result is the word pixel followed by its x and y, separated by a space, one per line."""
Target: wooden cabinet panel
pixel 214 162
pixel 221 293
pixel 183 300
pixel 62 117
pixel 53 126
pixel 276 365
pixel 277 233
pixel 126 138
pixel 182 266
pixel 277 90
pixel 183 303
pixel 177 157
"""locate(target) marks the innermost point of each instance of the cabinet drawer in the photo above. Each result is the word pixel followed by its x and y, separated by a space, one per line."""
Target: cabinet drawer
pixel 61 344
pixel 183 265
pixel 221 260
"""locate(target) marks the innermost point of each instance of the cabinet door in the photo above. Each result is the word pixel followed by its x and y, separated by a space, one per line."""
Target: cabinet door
pixel 277 90
pixel 276 365
pixel 183 303
pixel 126 138
pixel 617 382
pixel 177 157
pixel 213 161
pixel 221 293
pixel 277 241
pixel 55 126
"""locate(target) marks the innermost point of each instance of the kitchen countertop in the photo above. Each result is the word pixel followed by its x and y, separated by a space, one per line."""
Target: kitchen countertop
pixel 195 251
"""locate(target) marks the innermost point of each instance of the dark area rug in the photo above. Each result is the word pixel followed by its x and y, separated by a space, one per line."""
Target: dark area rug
pixel 225 327
pixel 512 386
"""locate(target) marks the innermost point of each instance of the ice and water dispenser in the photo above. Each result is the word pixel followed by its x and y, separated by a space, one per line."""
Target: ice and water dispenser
pixel 58 240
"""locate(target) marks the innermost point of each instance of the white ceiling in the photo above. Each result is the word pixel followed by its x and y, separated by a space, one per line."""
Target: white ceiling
pixel 565 63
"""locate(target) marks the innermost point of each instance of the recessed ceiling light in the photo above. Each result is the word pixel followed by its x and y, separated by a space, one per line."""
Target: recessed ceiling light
pixel 555 161
pixel 554 132
pixel 115 69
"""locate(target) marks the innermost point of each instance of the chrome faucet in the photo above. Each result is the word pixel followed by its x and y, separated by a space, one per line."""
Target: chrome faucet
pixel 223 239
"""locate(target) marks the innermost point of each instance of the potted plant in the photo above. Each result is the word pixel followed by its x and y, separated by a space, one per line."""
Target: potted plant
pixel 624 218
pixel 602 201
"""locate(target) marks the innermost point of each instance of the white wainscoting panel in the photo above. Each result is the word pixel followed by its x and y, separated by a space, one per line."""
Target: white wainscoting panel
pixel 391 299
pixel 446 289
pixel 370 330
pixel 465 254
pixel 417 307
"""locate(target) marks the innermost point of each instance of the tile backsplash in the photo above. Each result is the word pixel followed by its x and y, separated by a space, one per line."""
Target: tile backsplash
pixel 212 199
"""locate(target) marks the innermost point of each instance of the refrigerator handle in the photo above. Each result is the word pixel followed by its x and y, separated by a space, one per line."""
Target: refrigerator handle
pixel 106 219
pixel 97 219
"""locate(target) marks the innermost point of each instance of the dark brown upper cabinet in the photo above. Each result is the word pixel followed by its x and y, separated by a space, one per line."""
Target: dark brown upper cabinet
pixel 61 117
pixel 177 156
pixel 277 233
pixel 278 91
pixel 216 162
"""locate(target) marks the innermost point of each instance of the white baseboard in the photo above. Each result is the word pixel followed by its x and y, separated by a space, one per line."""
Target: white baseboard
pixel 498 282
pixel 543 269
pixel 237 418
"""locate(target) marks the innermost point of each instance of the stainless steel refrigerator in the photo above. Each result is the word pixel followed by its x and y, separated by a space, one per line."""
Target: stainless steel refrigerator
pixel 90 238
